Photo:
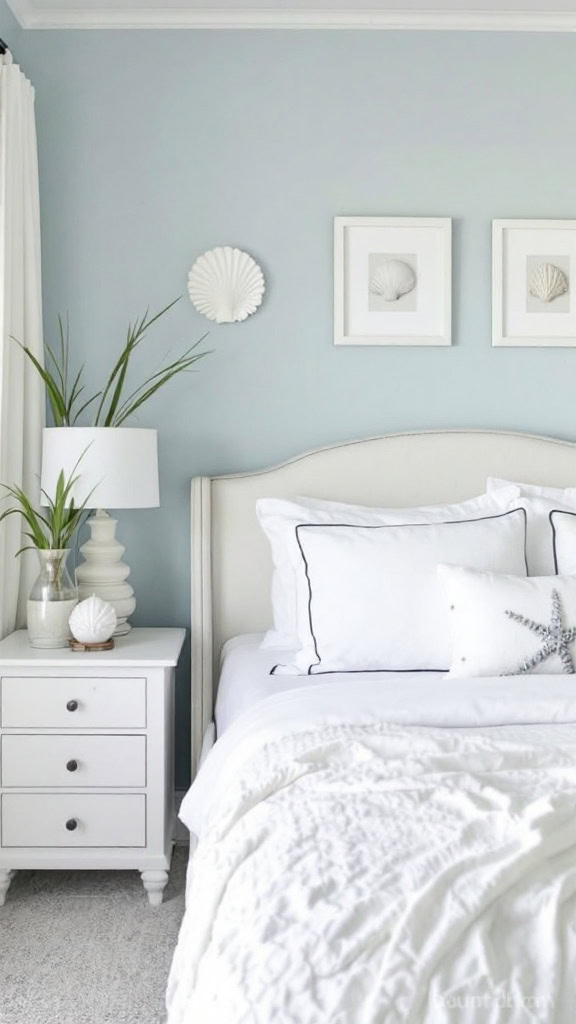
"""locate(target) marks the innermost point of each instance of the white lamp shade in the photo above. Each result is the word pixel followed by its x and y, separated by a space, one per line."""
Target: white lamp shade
pixel 118 464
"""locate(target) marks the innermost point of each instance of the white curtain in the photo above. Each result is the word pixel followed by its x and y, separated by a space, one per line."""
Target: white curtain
pixel 21 391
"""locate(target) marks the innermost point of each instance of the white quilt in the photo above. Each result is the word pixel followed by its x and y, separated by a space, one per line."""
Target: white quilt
pixel 354 872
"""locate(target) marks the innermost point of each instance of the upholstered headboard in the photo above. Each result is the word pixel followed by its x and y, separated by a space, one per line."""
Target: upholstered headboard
pixel 231 565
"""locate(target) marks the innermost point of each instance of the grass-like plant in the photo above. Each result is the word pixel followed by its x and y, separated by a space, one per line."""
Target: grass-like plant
pixel 114 407
pixel 54 529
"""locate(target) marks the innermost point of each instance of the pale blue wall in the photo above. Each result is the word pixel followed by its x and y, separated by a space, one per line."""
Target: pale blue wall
pixel 154 147
pixel 9 27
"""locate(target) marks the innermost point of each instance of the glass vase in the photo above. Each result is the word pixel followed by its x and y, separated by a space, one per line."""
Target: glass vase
pixel 51 601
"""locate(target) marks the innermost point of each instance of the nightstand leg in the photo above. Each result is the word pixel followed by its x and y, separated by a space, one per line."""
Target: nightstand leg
pixel 6 877
pixel 155 882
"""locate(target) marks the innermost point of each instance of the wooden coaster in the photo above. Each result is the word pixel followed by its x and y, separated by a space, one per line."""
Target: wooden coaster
pixel 108 645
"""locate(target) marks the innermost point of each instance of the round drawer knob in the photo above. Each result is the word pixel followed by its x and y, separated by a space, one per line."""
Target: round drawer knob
pixel 71 766
pixel 71 824
pixel 72 705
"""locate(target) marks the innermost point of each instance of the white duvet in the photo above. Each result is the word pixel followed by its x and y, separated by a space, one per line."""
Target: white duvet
pixel 368 860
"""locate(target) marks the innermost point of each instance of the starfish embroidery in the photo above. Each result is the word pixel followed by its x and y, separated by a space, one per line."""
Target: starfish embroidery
pixel 555 639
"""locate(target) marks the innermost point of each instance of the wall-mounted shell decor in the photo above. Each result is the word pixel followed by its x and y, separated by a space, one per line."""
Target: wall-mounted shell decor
pixel 393 279
pixel 226 285
pixel 548 282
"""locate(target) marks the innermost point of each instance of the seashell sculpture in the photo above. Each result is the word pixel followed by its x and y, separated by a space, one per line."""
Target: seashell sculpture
pixel 548 282
pixel 393 279
pixel 93 621
pixel 226 285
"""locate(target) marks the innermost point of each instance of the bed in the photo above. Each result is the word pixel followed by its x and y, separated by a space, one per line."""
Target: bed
pixel 377 848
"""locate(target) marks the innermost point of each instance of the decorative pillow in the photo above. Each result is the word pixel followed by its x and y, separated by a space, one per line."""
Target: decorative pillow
pixel 563 540
pixel 539 502
pixel 279 519
pixel 509 625
pixel 369 598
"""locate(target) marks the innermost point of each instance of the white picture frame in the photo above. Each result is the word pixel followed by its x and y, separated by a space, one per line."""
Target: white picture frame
pixel 367 251
pixel 521 249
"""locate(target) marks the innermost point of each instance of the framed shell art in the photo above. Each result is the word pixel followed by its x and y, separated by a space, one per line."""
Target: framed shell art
pixel 533 266
pixel 392 280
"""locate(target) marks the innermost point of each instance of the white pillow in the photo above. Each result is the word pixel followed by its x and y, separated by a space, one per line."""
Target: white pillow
pixel 279 519
pixel 369 598
pixel 498 622
pixel 564 540
pixel 539 502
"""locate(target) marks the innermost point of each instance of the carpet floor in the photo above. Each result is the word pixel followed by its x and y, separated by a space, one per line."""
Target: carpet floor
pixel 86 947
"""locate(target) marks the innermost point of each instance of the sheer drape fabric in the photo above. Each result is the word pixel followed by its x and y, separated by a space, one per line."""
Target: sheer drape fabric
pixel 21 392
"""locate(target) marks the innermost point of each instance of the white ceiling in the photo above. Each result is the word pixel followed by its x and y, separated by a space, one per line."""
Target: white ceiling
pixel 508 15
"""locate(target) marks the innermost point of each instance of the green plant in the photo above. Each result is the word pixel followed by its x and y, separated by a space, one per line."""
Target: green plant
pixel 55 529
pixel 62 396
pixel 113 408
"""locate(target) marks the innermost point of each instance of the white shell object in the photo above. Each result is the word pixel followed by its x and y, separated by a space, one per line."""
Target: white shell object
pixel 548 282
pixel 226 285
pixel 93 621
pixel 393 279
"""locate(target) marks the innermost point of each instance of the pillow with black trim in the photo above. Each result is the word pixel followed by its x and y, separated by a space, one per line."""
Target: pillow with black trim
pixel 279 518
pixel 504 625
pixel 369 598
pixel 539 503
pixel 563 540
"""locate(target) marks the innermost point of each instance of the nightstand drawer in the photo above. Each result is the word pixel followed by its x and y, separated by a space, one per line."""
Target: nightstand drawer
pixel 40 760
pixel 69 820
pixel 51 702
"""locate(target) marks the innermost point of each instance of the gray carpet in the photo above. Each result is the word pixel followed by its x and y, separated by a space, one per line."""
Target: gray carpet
pixel 85 947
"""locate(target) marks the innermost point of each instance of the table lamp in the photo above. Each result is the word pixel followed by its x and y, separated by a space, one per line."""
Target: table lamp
pixel 119 465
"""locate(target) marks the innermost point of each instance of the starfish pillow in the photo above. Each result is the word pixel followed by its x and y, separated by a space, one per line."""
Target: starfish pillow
pixel 510 625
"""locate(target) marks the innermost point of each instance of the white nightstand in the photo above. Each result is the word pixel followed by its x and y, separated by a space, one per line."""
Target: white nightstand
pixel 86 757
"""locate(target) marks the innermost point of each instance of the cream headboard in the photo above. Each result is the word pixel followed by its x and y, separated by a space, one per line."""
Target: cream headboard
pixel 231 565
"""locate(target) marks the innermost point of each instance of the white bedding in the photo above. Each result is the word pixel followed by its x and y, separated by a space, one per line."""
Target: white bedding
pixel 245 678
pixel 385 851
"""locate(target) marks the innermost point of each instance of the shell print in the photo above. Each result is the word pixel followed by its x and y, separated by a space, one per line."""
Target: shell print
pixel 548 282
pixel 393 279
pixel 226 285
pixel 93 621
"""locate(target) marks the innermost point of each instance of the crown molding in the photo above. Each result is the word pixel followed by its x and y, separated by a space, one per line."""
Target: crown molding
pixel 31 17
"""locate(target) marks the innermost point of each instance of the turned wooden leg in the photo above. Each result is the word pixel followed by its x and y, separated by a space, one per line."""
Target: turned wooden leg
pixel 155 882
pixel 6 877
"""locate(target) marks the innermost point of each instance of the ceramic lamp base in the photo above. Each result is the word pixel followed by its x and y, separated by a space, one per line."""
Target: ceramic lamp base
pixel 104 573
